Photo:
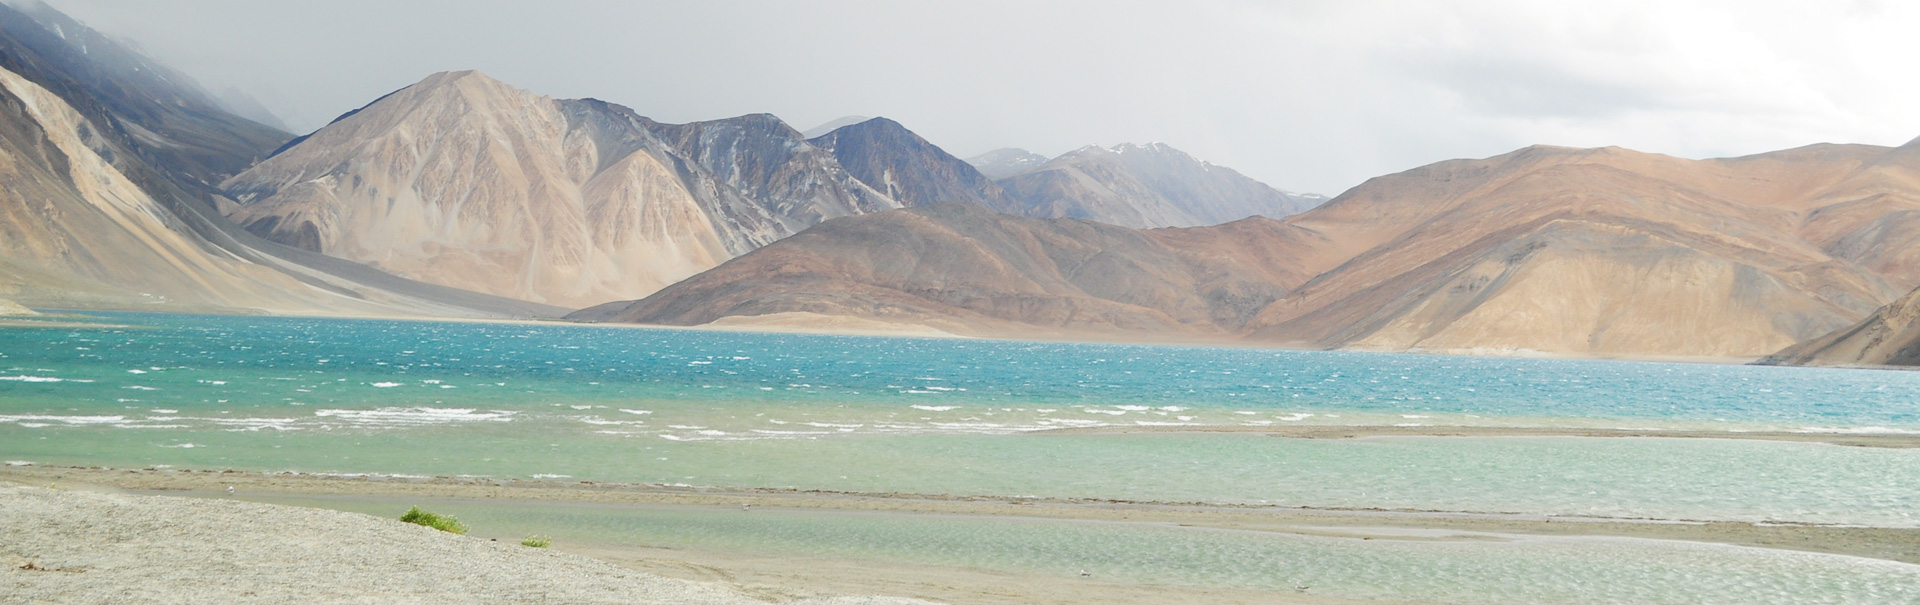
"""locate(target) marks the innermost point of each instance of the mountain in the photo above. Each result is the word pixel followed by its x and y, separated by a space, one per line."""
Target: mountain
pixel 896 162
pixel 1888 337
pixel 1550 250
pixel 962 268
pixel 1604 251
pixel 75 231
pixel 1145 186
pixel 832 125
pixel 768 181
pixel 110 200
pixel 177 127
pixel 464 181
pixel 1006 161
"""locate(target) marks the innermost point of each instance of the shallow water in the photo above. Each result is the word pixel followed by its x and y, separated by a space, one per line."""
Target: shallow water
pixel 1484 568
pixel 946 417
pixel 966 417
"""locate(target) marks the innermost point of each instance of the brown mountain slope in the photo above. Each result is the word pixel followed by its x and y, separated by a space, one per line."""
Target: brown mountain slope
pixel 962 267
pixel 1889 336
pixel 1596 251
pixel 1572 251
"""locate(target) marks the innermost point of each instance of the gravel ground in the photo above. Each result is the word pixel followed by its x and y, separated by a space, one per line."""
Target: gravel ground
pixel 83 547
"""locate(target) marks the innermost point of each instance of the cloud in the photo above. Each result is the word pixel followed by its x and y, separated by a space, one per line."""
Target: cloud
pixel 1313 96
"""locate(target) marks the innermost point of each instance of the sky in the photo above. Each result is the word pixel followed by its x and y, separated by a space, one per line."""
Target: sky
pixel 1307 96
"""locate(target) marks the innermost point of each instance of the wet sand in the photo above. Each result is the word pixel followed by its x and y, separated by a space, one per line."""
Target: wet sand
pixel 782 577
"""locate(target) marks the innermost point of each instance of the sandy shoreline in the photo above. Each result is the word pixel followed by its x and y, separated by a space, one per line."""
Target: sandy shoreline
pixel 1896 544
pixel 778 579
pixel 67 546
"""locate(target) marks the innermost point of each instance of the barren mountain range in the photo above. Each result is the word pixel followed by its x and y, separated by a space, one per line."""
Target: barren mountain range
pixel 1551 250
pixel 127 186
pixel 107 162
pixel 464 181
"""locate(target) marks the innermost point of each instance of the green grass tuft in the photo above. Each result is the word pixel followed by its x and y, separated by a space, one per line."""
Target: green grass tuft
pixel 439 522
pixel 536 541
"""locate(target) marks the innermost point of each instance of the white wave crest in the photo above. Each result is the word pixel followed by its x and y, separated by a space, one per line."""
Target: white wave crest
pixel 416 416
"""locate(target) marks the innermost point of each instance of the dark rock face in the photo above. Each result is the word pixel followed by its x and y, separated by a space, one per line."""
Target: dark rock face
pixel 771 166
pixel 896 162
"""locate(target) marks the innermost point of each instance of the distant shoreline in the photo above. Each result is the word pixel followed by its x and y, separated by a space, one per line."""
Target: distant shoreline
pixel 829 325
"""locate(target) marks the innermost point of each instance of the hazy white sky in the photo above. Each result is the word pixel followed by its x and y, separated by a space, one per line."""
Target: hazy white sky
pixel 1307 96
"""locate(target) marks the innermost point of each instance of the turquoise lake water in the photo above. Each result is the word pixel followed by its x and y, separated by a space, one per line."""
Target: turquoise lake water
pixel 969 417
pixel 947 416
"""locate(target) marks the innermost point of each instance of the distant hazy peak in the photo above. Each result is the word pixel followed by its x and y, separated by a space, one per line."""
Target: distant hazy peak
pixel 1006 161
pixel 244 105
pixel 832 125
pixel 1004 153
pixel 1145 186
pixel 110 55
pixel 1153 146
